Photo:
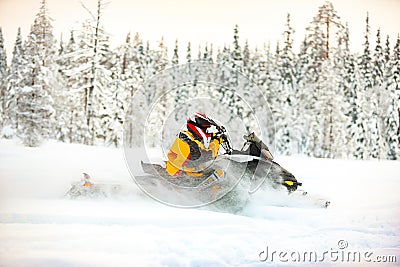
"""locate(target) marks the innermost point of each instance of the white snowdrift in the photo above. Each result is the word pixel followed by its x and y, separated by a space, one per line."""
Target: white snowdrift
pixel 39 227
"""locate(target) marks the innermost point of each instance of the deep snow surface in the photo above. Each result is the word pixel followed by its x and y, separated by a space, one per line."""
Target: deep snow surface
pixel 39 226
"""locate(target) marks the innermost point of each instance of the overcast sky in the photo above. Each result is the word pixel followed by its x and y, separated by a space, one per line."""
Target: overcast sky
pixel 201 21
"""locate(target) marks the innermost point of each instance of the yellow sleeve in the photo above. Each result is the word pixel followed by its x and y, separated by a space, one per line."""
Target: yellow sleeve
pixel 177 156
pixel 214 147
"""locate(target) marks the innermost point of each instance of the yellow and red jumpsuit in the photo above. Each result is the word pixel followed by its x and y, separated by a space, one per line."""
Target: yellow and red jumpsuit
pixel 188 154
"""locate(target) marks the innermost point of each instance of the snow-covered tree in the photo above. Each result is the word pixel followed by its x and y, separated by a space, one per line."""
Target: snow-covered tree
pixel 365 60
pixel 392 115
pixel 130 67
pixel 378 62
pixel 125 80
pixel 261 65
pixel 41 41
pixel 346 79
pixel 152 61
pixel 208 54
pixel 323 29
pixel 160 56
pixel 387 50
pixel 70 108
pixel 371 67
pixel 366 119
pixel 92 67
pixel 188 53
pixel 160 60
pixel 392 131
pixel 40 70
pixel 61 46
pixel 99 74
pixel 3 76
pixel 305 96
pixel 237 57
pixel 16 79
pixel 335 108
pixel 285 94
pixel 231 62
pixel 113 114
pixel 348 128
pixel 316 82
pixel 287 58
pixel 246 60
pixel 175 57
pixel 199 55
pixel 379 96
pixel 34 115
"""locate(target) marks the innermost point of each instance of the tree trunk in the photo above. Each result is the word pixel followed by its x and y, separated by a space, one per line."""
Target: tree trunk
pixel 93 70
pixel 327 38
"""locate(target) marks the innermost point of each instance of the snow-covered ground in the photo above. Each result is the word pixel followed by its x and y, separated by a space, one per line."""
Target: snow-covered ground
pixel 39 226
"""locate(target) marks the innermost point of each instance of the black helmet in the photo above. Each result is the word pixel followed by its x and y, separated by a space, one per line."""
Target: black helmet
pixel 202 127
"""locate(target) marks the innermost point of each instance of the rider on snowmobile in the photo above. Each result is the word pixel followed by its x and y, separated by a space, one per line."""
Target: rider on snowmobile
pixel 87 182
pixel 197 144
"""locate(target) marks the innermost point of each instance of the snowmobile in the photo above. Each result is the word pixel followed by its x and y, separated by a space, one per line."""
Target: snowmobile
pixel 228 181
pixel 86 188
pixel 78 190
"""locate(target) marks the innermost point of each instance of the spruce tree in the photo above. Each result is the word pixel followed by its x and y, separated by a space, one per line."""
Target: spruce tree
pixel 71 109
pixel 392 118
pixel 113 112
pixel 379 96
pixel 34 106
pixel 236 57
pixel 246 61
pixel 365 109
pixel 34 113
pixel 392 127
pixel 41 41
pixel 175 57
pixel 125 81
pixel 208 54
pixel 161 56
pixel 128 65
pixel 16 79
pixel 188 53
pixel 285 93
pixel 3 76
pixel 387 50
pixel 346 79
